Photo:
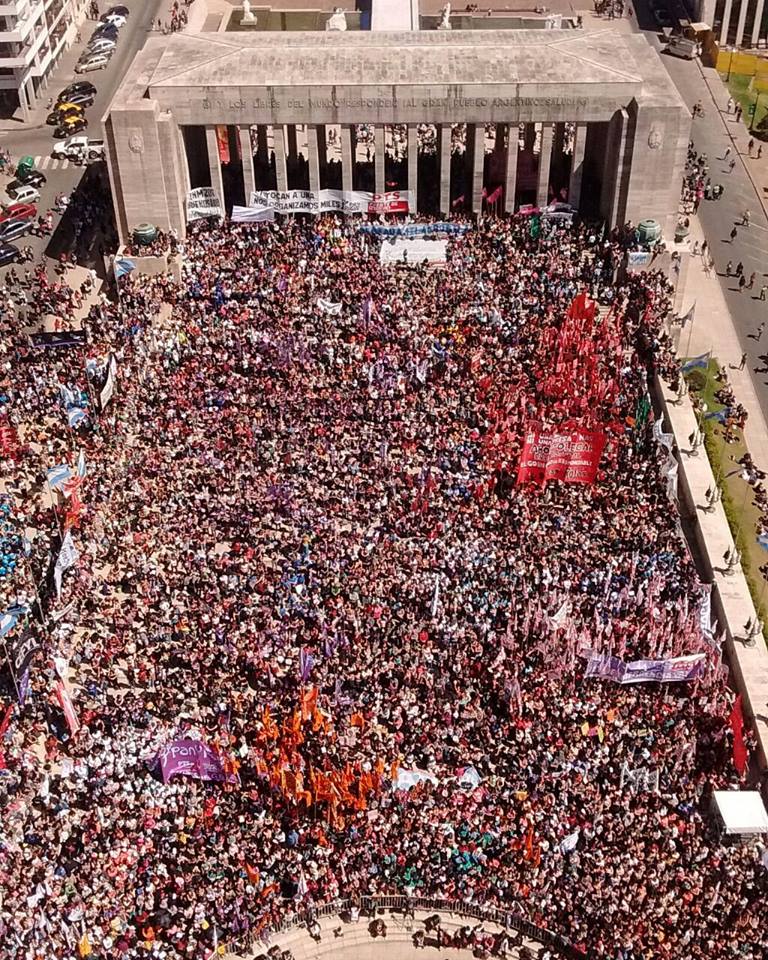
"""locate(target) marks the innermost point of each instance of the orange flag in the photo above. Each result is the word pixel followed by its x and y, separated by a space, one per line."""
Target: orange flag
pixel 252 874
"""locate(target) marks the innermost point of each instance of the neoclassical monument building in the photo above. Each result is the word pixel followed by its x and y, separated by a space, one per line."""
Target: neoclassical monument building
pixel 455 120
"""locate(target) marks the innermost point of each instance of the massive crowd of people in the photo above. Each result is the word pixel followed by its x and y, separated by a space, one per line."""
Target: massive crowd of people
pixel 301 541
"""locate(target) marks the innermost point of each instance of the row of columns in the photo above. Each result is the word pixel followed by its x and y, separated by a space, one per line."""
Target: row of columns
pixel 316 142
pixel 743 10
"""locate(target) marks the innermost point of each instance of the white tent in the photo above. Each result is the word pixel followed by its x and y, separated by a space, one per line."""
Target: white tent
pixel 741 811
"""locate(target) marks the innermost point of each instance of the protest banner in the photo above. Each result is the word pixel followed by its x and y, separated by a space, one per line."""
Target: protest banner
pixel 65 702
pixel 286 202
pixel 192 758
pixel 203 202
pixel 672 670
pixel 572 455
pixel 65 338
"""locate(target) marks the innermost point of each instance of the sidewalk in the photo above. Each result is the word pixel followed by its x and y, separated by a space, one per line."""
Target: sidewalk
pixel 713 330
pixel 739 134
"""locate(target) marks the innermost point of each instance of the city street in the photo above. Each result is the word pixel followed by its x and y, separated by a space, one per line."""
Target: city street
pixel 711 135
pixel 35 139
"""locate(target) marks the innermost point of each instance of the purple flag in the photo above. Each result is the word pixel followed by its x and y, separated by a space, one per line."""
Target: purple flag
pixel 192 758
pixel 306 662
pixel 24 688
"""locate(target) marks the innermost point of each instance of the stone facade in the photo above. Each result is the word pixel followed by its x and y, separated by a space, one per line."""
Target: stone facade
pixel 513 79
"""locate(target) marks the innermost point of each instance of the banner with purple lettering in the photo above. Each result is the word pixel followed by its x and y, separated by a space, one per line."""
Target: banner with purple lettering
pixel 674 670
pixel 192 758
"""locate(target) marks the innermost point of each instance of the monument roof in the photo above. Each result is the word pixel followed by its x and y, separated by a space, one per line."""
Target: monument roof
pixel 460 58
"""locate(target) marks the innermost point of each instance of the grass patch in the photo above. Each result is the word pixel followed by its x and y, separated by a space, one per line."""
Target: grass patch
pixel 738 500
pixel 739 88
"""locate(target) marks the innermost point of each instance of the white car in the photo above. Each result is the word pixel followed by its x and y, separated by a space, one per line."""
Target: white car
pixel 27 194
pixel 70 148
pixel 97 62
pixel 115 19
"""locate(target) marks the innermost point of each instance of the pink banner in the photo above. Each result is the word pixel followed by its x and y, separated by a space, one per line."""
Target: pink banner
pixel 65 702
pixel 572 455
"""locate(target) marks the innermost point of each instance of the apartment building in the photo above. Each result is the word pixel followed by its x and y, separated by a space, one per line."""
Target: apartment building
pixel 33 34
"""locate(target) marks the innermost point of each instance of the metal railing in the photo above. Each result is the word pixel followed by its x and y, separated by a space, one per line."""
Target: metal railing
pixel 371 906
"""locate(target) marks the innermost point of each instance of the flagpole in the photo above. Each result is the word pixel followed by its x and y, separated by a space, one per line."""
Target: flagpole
pixel 690 334
pixel 13 673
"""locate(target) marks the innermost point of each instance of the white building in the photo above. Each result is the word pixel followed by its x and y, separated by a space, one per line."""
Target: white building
pixel 33 33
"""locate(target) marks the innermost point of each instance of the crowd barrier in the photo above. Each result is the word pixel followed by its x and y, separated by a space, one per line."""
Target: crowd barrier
pixel 372 906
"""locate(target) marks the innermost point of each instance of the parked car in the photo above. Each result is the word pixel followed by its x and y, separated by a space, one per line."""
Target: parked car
pixel 68 127
pixel 78 99
pixel 68 149
pixel 33 177
pixel 114 18
pixel 25 193
pixel 63 111
pixel 19 211
pixel 101 46
pixel 119 11
pixel 107 31
pixel 77 88
pixel 9 253
pixel 12 229
pixel 92 63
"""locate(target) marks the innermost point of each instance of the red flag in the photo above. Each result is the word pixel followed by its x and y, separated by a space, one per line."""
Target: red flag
pixel 6 719
pixel 65 702
pixel 739 747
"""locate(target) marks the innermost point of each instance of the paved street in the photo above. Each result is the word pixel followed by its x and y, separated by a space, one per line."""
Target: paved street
pixel 35 139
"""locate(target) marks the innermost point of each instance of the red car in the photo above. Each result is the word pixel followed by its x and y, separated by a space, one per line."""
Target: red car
pixel 19 211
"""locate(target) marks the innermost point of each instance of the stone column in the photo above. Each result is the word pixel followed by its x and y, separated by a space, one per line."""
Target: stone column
pixel 577 164
pixel 726 22
pixel 281 168
pixel 246 150
pixel 314 158
pixel 445 168
pixel 413 165
pixel 213 162
pixel 741 21
pixel 613 195
pixel 478 164
pixel 758 22
pixel 513 136
pixel 378 158
pixel 347 159
pixel 545 159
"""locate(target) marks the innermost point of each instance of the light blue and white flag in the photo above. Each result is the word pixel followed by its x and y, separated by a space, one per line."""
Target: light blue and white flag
pixel 81 468
pixel 701 361
pixel 123 266
pixel 75 416
pixel 10 618
pixel 763 540
pixel 570 842
pixel 58 476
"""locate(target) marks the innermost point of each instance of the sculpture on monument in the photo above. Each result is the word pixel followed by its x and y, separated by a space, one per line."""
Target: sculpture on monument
pixel 445 18
pixel 337 20
pixel 247 16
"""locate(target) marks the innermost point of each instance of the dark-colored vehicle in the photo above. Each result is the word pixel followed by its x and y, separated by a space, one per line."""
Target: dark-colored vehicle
pixel 12 229
pixel 9 253
pixel 78 99
pixel 80 87
pixel 70 127
pixel 118 11
pixel 107 31
pixel 62 112
pixel 23 177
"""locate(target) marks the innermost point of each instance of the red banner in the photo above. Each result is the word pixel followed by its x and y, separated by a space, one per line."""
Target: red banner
pixel 394 202
pixel 222 140
pixel 65 702
pixel 739 747
pixel 564 453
